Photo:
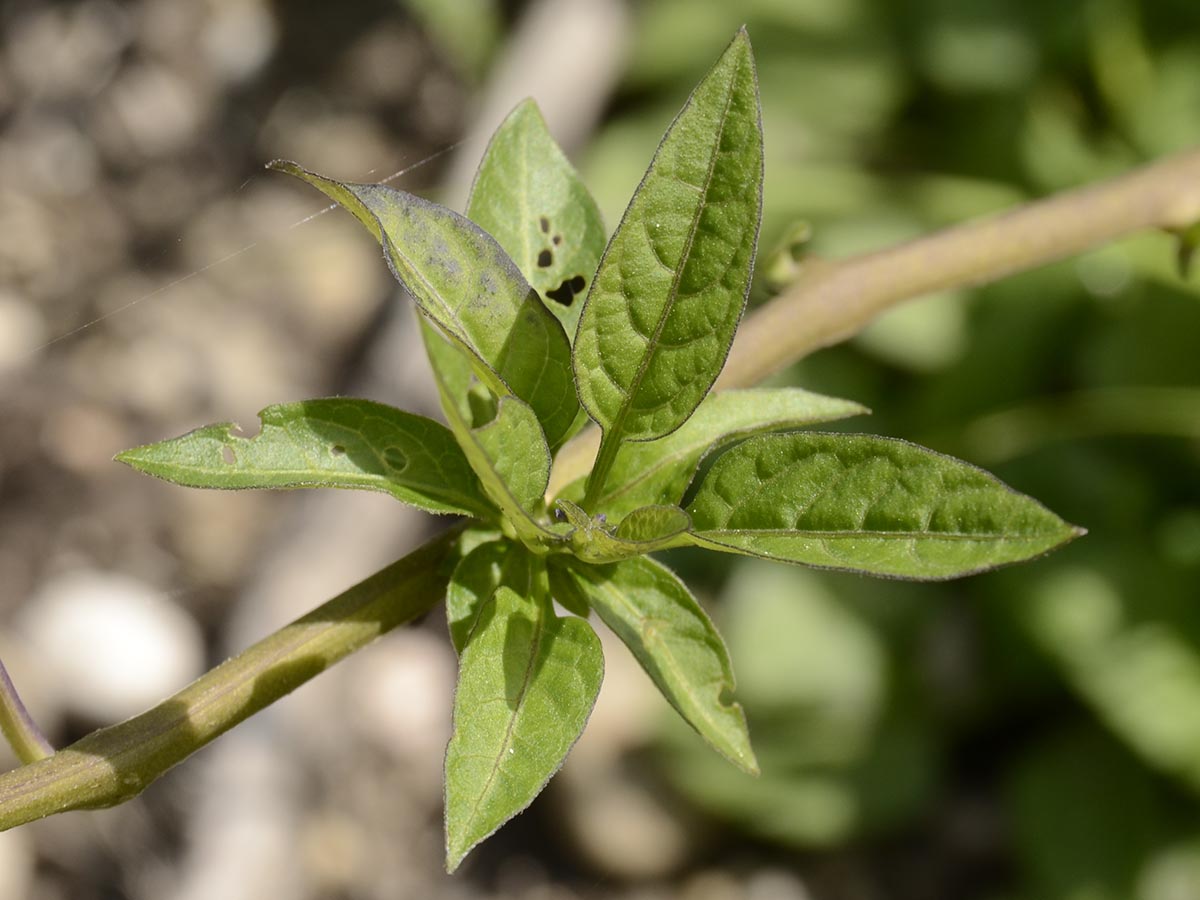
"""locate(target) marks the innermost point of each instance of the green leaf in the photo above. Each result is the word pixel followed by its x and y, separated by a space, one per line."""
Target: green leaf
pixel 867 504
pixel 656 616
pixel 508 453
pixel 529 198
pixel 526 686
pixel 672 285
pixel 337 443
pixel 658 472
pixel 642 531
pixel 462 280
pixel 476 578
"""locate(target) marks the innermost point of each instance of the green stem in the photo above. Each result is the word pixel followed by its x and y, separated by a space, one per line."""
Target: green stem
pixel 114 764
pixel 18 726
pixel 600 470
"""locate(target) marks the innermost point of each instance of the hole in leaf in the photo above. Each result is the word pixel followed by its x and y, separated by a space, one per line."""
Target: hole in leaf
pixel 566 292
pixel 337 450
pixel 395 459
pixel 228 456
pixel 545 258
pixel 482 404
pixel 545 224
pixel 557 239
pixel 244 433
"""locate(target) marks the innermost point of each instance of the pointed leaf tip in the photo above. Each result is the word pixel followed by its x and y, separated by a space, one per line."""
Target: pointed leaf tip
pixel 337 442
pixel 526 686
pixel 675 642
pixel 672 285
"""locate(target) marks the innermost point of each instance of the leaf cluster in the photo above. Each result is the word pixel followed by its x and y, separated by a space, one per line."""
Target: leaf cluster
pixel 535 325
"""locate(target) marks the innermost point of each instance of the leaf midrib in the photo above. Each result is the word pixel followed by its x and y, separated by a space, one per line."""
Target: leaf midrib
pixel 672 294
pixel 526 681
pixel 386 485
pixel 897 535
pixel 726 680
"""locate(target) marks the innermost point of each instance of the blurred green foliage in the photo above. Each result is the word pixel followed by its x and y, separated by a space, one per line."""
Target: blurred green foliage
pixel 1067 691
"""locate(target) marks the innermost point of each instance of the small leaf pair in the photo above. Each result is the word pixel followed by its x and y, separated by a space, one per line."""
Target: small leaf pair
pixel 522 360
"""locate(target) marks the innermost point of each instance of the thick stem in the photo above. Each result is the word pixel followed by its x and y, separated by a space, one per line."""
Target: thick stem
pixel 115 764
pixel 835 300
pixel 18 726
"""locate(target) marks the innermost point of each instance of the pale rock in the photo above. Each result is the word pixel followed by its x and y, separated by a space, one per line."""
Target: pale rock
pixel 402 691
pixel 16 865
pixel 22 332
pixel 111 645
pixel 238 38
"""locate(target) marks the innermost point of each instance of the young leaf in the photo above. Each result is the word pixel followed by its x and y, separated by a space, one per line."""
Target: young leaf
pixel 476 578
pixel 657 472
pixel 642 531
pixel 463 280
pixel 656 616
pixel 529 198
pixel 526 686
pixel 339 443
pixel 867 504
pixel 671 287
pixel 508 453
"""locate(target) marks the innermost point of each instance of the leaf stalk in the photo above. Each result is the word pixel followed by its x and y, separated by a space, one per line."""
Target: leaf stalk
pixel 17 724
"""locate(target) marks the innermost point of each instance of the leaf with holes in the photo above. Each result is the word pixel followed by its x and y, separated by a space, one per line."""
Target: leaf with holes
pixel 527 682
pixel 529 198
pixel 462 280
pixel 672 285
pixel 648 473
pixel 867 504
pixel 660 621
pixel 338 443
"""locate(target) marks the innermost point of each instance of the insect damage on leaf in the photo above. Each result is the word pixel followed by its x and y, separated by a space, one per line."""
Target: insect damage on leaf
pixel 566 292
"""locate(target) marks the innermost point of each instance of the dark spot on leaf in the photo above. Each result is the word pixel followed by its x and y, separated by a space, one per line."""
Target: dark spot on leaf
pixel 566 292
pixel 557 239
pixel 337 450
pixel 545 258
pixel 228 455
pixel 395 459
pixel 545 224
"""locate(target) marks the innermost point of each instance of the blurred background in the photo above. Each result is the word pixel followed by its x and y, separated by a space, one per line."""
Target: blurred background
pixel 1030 734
